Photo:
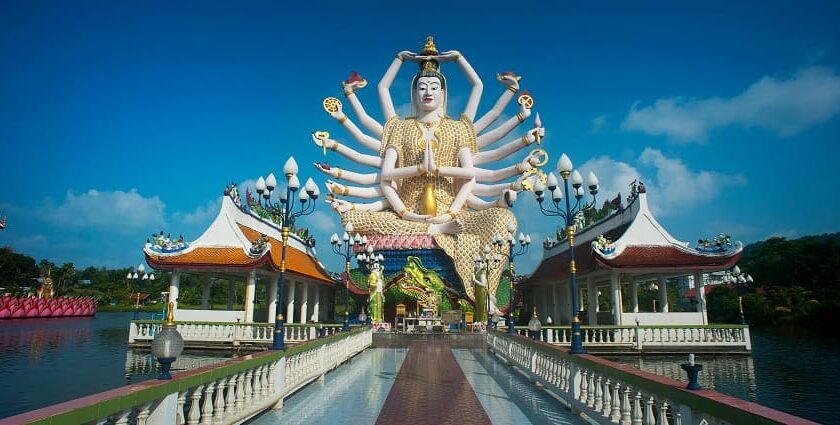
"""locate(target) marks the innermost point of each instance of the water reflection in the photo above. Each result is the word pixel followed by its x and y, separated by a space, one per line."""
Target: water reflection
pixel 141 365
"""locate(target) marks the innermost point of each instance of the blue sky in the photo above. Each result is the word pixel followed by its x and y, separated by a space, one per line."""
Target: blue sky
pixel 119 119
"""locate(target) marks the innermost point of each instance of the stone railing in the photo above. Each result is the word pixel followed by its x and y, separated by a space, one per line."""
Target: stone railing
pixel 605 392
pixel 227 393
pixel 651 337
pixel 143 331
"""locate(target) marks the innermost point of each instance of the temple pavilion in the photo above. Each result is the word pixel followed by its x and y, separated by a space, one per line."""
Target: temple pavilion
pixel 616 257
pixel 243 245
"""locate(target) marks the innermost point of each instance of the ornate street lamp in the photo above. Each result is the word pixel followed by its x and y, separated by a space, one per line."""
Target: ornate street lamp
pixel 285 213
pixel 167 344
pixel 137 277
pixel 509 254
pixel 344 247
pixel 535 326
pixel 567 212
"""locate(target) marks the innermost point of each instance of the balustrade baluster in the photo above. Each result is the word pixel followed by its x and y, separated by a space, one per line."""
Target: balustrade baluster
pixel 195 408
pixel 583 385
pixel 599 400
pixel 230 397
pixel 590 390
pixel 219 405
pixel 240 392
pixel 615 412
pixel 625 407
pixel 257 383
pixel 122 419
pixel 650 419
pixel 607 407
pixel 637 409
pixel 207 407
pixel 248 388
pixel 143 414
pixel 180 419
pixel 663 413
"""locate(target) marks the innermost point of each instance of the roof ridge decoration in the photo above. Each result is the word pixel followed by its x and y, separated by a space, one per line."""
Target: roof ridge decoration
pixel 165 245
pixel 720 243
pixel 259 246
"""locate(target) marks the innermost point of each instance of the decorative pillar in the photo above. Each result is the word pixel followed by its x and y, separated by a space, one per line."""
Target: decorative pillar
pixel 593 301
pixel 700 294
pixel 271 297
pixel 304 303
pixel 663 294
pixel 316 304
pixel 634 295
pixel 231 294
pixel 290 302
pixel 250 294
pixel 615 297
pixel 174 285
pixel 205 294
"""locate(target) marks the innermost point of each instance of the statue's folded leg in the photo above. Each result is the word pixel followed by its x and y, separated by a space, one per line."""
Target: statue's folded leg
pixel 383 223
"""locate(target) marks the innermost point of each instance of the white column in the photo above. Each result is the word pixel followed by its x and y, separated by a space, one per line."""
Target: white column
pixel 205 295
pixel 316 304
pixel 304 303
pixel 615 296
pixel 271 295
pixel 174 285
pixel 663 294
pixel 634 295
pixel 290 301
pixel 700 294
pixel 250 294
pixel 593 301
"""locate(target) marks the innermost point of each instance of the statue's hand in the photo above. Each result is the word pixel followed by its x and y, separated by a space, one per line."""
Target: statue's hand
pixel 405 55
pixel 319 139
pixel 525 111
pixel 509 79
pixel 534 132
pixel 326 169
pixel 449 56
pixel 507 199
pixel 429 159
pixel 336 188
pixel 443 218
pixel 340 205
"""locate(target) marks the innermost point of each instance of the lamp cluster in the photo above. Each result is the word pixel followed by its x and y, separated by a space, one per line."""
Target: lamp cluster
pixel 509 242
pixel 138 276
pixel 735 276
pixel 343 246
pixel 284 209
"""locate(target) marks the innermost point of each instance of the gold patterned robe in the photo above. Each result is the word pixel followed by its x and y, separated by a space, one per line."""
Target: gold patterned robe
pixel 407 138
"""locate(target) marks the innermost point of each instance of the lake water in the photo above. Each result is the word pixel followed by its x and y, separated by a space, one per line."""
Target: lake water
pixel 789 370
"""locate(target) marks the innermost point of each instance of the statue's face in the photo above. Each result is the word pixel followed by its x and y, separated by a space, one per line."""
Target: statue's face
pixel 429 94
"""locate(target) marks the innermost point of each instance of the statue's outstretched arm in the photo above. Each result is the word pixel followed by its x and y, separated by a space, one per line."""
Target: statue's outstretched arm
pixel 389 172
pixel 353 177
pixel 511 81
pixel 480 189
pixel 326 143
pixel 398 206
pixel 477 86
pixel 351 86
pixel 343 206
pixel 364 139
pixel 359 192
pixel 384 86
pixel 505 200
pixel 503 151
pixel 485 175
pixel 497 133
pixel 461 172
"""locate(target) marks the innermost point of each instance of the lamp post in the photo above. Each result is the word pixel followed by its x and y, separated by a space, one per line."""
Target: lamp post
pixel 167 344
pixel 372 262
pixel 136 277
pixel 486 261
pixel 509 254
pixel 567 212
pixel 284 212
pixel 343 246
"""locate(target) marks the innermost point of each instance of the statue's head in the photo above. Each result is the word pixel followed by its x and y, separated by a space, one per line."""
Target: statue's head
pixel 428 89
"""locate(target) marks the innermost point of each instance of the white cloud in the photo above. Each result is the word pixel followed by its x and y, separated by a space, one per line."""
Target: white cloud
pixel 108 211
pixel 202 215
pixel 323 221
pixel 786 107
pixel 674 186
pixel 598 124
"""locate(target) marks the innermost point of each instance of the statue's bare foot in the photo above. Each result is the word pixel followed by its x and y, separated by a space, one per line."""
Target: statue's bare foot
pixel 450 228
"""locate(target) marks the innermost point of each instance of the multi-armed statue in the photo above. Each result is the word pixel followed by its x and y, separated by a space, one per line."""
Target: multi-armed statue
pixel 428 182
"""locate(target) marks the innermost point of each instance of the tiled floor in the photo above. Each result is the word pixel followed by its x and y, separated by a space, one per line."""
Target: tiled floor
pixel 431 389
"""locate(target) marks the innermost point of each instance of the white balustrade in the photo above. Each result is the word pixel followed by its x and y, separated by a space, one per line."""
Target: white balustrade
pixel 727 337
pixel 142 332
pixel 249 384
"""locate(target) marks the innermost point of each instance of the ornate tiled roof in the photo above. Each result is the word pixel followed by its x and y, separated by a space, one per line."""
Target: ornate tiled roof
pixel 231 242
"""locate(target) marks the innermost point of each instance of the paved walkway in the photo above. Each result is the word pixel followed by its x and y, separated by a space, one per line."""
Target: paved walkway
pixel 431 389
